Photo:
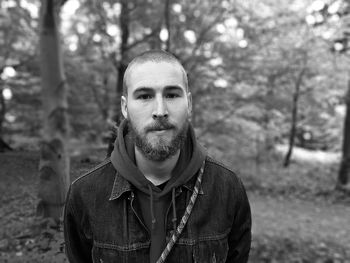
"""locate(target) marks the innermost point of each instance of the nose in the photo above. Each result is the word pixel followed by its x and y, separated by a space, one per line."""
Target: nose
pixel 160 108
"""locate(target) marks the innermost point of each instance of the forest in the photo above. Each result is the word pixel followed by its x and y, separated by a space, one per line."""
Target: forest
pixel 270 83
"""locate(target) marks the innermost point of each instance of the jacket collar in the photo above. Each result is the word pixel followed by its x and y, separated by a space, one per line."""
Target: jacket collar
pixel 121 185
pixel 190 185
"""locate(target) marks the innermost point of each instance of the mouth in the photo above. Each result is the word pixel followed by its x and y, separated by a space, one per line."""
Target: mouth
pixel 156 129
pixel 160 130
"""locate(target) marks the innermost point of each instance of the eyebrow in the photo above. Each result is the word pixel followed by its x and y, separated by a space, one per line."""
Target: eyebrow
pixel 174 88
pixel 166 89
pixel 142 89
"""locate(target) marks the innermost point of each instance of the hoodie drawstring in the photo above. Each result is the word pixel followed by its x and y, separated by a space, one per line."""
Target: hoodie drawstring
pixel 153 218
pixel 174 220
pixel 152 209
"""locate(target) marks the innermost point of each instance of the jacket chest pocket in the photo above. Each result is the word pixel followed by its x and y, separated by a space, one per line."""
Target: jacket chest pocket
pixel 109 253
pixel 211 251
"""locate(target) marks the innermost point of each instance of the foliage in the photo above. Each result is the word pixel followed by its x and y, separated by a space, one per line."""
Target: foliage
pixel 242 64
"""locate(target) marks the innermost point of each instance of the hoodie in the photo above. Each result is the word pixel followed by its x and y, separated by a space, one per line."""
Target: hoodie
pixel 155 201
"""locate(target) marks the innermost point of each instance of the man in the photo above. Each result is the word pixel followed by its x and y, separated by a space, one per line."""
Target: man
pixel 159 198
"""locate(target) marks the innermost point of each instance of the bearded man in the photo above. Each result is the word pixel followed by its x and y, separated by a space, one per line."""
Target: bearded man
pixel 159 197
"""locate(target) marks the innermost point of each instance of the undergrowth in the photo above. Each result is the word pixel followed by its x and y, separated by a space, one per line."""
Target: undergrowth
pixel 26 238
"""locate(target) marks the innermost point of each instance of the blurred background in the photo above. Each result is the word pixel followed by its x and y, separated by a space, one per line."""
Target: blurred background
pixel 271 99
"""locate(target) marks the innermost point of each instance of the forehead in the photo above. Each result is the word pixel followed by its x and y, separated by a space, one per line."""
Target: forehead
pixel 155 75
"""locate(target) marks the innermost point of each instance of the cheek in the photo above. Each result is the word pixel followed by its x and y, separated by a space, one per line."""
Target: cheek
pixel 180 111
pixel 139 112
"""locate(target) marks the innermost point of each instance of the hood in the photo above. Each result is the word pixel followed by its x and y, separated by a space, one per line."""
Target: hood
pixel 191 158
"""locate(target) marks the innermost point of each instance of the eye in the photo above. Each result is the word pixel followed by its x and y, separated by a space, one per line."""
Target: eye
pixel 172 95
pixel 144 97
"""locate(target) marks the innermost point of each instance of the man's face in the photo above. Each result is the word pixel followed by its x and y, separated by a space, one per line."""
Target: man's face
pixel 157 107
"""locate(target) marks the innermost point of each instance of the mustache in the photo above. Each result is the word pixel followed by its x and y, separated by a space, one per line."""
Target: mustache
pixel 160 124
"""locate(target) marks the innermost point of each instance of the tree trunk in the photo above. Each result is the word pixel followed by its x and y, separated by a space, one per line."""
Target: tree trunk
pixel 2 110
pixel 54 160
pixel 2 119
pixel 344 171
pixel 167 23
pixel 268 139
pixel 154 41
pixel 3 145
pixel 122 65
pixel 294 119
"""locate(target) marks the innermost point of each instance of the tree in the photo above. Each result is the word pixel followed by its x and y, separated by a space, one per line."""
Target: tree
pixel 121 67
pixel 339 40
pixel 3 145
pixel 16 51
pixel 167 24
pixel 344 171
pixel 54 159
pixel 127 8
pixel 294 117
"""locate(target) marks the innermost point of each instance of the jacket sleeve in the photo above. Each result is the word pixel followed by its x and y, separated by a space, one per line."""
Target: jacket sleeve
pixel 78 247
pixel 240 236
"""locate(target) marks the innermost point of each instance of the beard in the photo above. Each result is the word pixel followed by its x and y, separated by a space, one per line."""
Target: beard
pixel 161 149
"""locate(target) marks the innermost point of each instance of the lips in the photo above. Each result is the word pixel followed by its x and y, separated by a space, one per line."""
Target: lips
pixel 158 130
pixel 161 127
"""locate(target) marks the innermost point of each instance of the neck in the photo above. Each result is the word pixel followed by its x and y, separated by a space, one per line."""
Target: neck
pixel 156 172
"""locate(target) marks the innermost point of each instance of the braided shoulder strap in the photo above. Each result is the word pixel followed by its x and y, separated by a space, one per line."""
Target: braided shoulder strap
pixel 184 218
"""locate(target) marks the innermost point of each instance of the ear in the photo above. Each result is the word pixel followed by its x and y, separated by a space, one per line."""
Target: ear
pixel 189 101
pixel 124 107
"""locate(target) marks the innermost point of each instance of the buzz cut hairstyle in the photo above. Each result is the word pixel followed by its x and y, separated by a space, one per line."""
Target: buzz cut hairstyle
pixel 156 56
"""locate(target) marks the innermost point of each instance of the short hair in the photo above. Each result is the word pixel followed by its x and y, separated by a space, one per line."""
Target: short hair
pixel 156 56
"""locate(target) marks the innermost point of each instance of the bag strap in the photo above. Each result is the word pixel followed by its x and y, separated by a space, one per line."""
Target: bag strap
pixel 184 218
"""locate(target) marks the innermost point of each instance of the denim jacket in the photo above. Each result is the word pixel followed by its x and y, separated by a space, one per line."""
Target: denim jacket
pixel 103 222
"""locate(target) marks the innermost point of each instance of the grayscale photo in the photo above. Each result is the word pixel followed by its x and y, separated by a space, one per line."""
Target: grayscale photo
pixel 164 131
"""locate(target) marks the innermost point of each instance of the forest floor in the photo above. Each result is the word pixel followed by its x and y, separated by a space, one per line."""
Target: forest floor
pixel 297 214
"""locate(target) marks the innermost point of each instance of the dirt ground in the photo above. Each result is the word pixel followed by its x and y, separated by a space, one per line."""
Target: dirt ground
pixel 304 227
pixel 286 227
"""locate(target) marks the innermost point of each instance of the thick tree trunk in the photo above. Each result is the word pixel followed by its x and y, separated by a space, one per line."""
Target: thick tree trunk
pixel 294 119
pixel 3 145
pixel 122 65
pixel 54 160
pixel 344 171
